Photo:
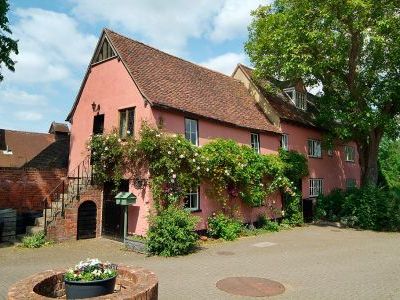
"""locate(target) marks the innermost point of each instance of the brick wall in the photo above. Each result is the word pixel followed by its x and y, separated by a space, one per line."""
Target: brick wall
pixel 66 228
pixel 25 189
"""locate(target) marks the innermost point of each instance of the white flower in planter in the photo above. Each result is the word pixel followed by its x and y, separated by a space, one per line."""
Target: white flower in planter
pixel 173 175
pixel 181 156
pixel 169 152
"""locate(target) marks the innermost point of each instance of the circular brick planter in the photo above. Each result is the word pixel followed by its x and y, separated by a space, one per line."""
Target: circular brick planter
pixel 132 283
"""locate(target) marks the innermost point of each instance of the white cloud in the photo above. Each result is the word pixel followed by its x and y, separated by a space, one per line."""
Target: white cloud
pixel 50 46
pixel 28 115
pixel 18 97
pixel 166 24
pixel 225 63
pixel 233 19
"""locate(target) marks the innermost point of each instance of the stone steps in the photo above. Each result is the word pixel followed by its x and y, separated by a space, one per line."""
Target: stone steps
pixel 34 229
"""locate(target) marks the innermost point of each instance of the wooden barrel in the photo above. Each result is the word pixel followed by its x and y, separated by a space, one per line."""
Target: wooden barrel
pixel 8 224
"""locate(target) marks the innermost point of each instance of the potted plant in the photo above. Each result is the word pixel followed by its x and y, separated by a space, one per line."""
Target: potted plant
pixel 90 278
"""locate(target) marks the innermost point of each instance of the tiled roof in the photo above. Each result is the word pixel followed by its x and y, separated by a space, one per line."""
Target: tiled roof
pixel 281 104
pixel 31 149
pixel 170 82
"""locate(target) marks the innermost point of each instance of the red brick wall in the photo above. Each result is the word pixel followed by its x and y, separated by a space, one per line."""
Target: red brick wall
pixel 64 229
pixel 25 189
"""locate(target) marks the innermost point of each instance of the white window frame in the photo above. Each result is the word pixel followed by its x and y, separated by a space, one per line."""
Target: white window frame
pixel 316 187
pixel 314 148
pixel 299 99
pixel 350 183
pixel 188 200
pixel 192 129
pixel 349 153
pixel 285 141
pixel 255 141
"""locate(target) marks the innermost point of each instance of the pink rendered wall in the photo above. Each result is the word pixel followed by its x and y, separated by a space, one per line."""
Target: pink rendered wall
pixel 208 130
pixel 109 85
pixel 334 170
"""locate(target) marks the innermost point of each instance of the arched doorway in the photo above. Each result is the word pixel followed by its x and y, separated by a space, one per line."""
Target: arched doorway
pixel 87 215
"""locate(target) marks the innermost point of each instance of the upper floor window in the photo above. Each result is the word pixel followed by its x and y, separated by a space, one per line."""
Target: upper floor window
pixel 126 122
pixel 298 98
pixel 98 124
pixel 350 153
pixel 255 142
pixel 192 200
pixel 314 148
pixel 315 187
pixel 350 183
pixel 285 141
pixel 192 131
pixel 104 51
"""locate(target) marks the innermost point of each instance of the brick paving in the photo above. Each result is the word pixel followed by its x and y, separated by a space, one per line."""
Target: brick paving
pixel 311 262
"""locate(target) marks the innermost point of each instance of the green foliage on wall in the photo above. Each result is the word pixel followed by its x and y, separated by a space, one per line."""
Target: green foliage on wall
pixel 175 167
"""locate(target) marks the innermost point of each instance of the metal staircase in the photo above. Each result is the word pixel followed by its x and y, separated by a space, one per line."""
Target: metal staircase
pixel 63 196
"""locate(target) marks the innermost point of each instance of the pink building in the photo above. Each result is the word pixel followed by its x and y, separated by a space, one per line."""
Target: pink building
pixel 128 82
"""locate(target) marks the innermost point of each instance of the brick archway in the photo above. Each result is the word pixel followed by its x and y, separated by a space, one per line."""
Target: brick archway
pixel 86 222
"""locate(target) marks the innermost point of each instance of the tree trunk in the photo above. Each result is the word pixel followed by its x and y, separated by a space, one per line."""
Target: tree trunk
pixel 368 151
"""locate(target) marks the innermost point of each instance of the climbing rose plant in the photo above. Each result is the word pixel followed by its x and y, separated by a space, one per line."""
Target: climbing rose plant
pixel 175 166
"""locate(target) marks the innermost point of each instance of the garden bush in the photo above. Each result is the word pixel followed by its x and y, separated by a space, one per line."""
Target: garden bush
pixel 172 232
pixel 222 226
pixel 373 208
pixel 35 240
pixel 266 224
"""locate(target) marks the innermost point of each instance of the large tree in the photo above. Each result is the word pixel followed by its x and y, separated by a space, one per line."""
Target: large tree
pixel 7 44
pixel 351 49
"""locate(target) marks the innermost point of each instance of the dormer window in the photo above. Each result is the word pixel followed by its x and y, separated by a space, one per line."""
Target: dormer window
pixel 7 151
pixel 298 98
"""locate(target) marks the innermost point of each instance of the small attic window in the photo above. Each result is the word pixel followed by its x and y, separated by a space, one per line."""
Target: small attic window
pixel 298 98
pixel 104 52
pixel 7 151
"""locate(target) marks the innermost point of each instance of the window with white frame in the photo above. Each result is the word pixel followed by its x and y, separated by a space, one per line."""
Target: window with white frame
pixel 349 153
pixel 350 183
pixel 298 98
pixel 255 142
pixel 192 200
pixel 192 131
pixel 285 141
pixel 314 148
pixel 316 187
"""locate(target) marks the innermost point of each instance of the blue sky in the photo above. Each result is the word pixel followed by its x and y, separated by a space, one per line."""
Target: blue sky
pixel 57 39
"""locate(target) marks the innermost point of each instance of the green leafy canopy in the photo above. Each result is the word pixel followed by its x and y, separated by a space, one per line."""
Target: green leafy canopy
pixel 7 44
pixel 351 49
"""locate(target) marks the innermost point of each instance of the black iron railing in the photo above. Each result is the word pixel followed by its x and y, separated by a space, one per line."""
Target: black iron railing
pixel 67 192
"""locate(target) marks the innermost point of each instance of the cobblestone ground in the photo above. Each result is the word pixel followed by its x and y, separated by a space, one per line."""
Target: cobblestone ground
pixel 311 262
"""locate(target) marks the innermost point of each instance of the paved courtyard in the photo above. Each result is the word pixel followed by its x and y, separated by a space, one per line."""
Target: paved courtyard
pixel 311 262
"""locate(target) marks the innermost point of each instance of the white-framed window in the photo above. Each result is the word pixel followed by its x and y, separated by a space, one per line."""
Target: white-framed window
pixel 192 131
pixel 350 183
pixel 285 141
pixel 316 187
pixel 314 148
pixel 192 200
pixel 298 98
pixel 255 142
pixel 126 122
pixel 350 153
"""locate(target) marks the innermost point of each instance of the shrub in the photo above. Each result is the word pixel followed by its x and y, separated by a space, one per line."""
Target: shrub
pixel 172 232
pixel 222 226
pixel 330 207
pixel 367 208
pixel 266 224
pixel 35 240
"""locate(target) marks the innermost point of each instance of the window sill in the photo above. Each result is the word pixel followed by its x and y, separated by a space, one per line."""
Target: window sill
pixel 318 157
pixel 195 211
pixel 350 161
